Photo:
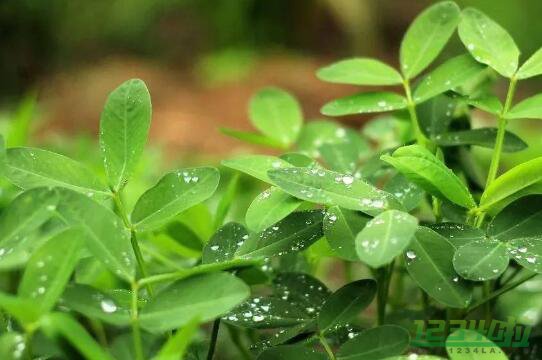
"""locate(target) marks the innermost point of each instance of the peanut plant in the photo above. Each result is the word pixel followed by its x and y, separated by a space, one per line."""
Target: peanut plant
pixel 403 213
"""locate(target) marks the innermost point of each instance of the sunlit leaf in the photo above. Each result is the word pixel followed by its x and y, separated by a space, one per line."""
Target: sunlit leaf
pixel 529 108
pixel 531 67
pixel 368 102
pixel 252 138
pixel 360 71
pixel 256 165
pixel 269 207
pixel 341 227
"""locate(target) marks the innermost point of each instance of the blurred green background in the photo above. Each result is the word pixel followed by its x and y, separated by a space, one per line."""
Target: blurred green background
pixel 202 59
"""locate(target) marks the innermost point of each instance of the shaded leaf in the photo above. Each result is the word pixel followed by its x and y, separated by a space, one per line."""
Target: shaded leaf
pixel 175 347
pixel 297 352
pixel 360 71
pixel 488 42
pixel 458 234
pixel 520 219
pixel 527 252
pixel 303 290
pixel 471 344
pixel 346 303
pixel 294 233
pixel 224 243
pixel 174 193
pixel 488 103
pixel 481 260
pixel 207 296
pixel 376 343
pixel 436 114
pixel 252 138
pixel 429 261
pixel 385 237
pixel 368 102
pixel 427 36
pixel 341 227
pixel 408 193
pixel 484 137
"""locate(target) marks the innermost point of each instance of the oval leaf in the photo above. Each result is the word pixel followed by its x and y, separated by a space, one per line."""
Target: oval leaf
pixel 256 165
pixel 269 207
pixel 341 227
pixel 207 296
pixel 332 188
pixel 423 168
pixel 529 108
pixel 531 67
pixel 527 252
pixel 297 352
pixel 385 237
pixel 276 114
pixel 449 75
pixel 50 268
pixel 376 343
pixel 520 219
pixel 488 42
pixel 481 260
pixel 429 261
pixel 124 127
pixel 427 36
pixel 484 137
pixel 174 193
pixel 294 233
pixel 29 168
pixel 346 303
pixel 360 71
pixel 458 234
pixel 368 102
pixel 465 344
pixel 224 243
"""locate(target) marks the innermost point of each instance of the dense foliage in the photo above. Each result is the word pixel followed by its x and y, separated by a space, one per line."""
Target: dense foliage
pixel 403 208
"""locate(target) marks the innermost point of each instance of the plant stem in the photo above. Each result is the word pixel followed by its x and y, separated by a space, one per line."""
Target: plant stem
pixel 384 278
pixel 495 160
pixel 236 339
pixel 121 210
pixel 136 331
pixel 499 292
pixel 411 107
pixel 326 346
pixel 214 337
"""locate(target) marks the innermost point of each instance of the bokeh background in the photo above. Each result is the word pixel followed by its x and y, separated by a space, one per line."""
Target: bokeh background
pixel 202 59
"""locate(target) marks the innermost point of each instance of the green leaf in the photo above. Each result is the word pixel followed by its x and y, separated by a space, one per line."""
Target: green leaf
pixel 376 343
pixel 207 296
pixel 228 195
pixel 385 237
pixel 427 36
pixel 224 243
pixel 276 114
pixel 429 262
pixel 256 165
pixel 342 157
pixel 296 232
pixel 458 234
pixel 301 289
pixel 527 252
pixel 409 194
pixel 465 344
pixel 252 138
pixel 19 222
pixel 346 303
pixel 287 352
pixel 124 128
pixel 316 133
pixel 111 307
pixel 299 159
pixel 175 347
pixel 421 167
pixel 436 114
pixel 484 137
pixel 487 103
pixel 449 75
pixel 50 268
pixel 12 346
pixel 529 108
pixel 481 260
pixel 341 227
pixel 29 168
pixel 512 181
pixel 105 235
pixel 331 188
pixel 174 193
pixel 360 71
pixel 532 67
pixel 266 313
pixel 488 42
pixel 57 325
pixel 367 102
pixel 521 219
pixel 269 207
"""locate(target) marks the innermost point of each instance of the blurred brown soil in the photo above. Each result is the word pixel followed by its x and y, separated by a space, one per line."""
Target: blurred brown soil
pixel 186 114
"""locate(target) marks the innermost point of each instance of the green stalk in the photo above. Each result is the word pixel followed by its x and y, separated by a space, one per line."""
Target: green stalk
pixel 136 331
pixel 384 279
pixel 214 338
pixel 411 107
pixel 326 346
pixel 495 160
